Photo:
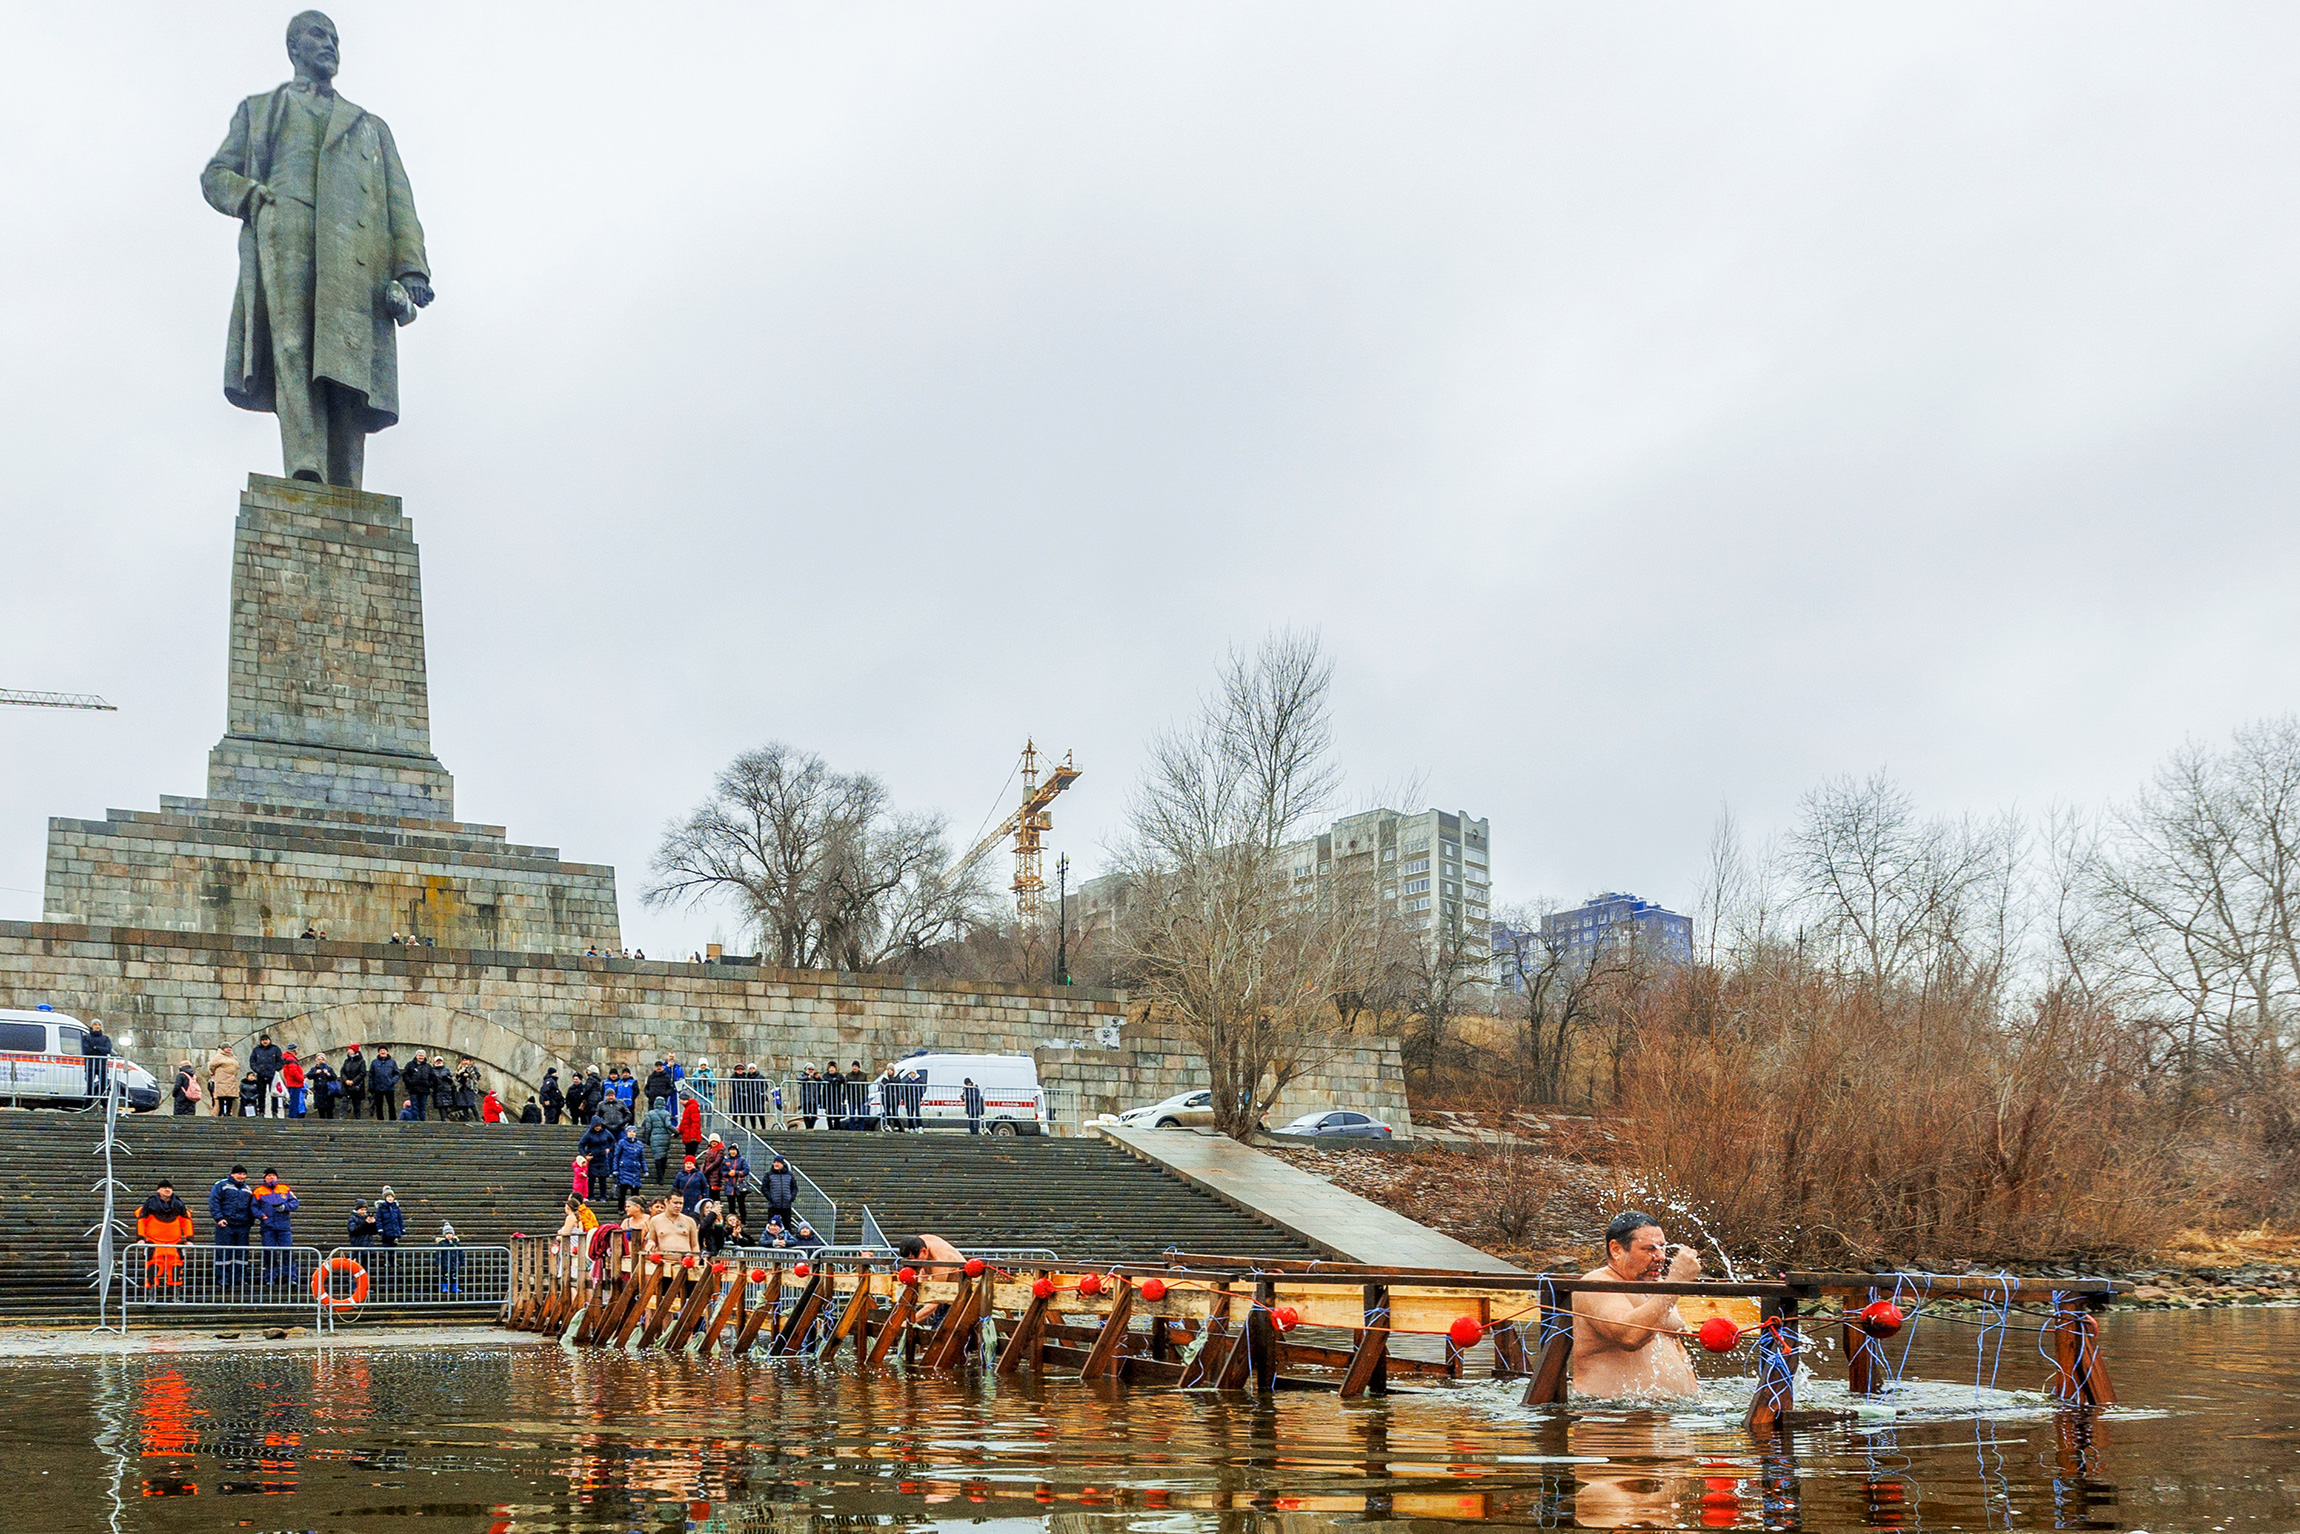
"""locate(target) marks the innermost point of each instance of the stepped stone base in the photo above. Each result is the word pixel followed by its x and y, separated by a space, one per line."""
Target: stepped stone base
pixel 262 870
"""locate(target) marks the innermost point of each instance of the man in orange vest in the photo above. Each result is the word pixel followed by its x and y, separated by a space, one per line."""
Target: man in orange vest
pixel 163 1223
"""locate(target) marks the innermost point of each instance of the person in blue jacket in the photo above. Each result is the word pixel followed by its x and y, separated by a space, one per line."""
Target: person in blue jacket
pixel 275 1201
pixel 232 1205
pixel 629 1160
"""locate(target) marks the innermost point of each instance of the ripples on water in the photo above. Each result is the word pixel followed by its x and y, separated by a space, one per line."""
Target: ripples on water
pixel 537 1438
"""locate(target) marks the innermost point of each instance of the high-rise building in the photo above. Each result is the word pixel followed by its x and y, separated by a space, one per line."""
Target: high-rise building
pixel 1435 871
pixel 1578 936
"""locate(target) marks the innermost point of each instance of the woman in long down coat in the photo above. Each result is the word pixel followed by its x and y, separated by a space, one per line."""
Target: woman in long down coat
pixel 224 1083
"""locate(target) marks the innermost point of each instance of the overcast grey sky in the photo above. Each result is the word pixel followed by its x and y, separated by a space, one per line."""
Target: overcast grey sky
pixel 1652 406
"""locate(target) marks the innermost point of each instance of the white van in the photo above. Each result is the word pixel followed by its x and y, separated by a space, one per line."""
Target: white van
pixel 41 1065
pixel 1011 1101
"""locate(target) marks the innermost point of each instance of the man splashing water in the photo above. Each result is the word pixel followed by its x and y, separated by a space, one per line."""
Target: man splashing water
pixel 1619 1346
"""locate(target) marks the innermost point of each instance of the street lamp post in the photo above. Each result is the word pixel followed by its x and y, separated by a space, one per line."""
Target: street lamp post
pixel 1062 920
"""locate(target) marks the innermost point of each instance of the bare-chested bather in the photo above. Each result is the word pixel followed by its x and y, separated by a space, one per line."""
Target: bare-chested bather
pixel 1619 1349
pixel 669 1230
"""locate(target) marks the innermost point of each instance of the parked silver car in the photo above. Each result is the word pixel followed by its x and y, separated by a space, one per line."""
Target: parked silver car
pixel 1338 1121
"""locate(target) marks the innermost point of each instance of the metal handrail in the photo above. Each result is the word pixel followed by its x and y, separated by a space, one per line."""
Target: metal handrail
pixel 819 1208
pixel 887 1254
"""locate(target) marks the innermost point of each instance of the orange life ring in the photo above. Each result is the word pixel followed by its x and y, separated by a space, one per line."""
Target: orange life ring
pixel 319 1286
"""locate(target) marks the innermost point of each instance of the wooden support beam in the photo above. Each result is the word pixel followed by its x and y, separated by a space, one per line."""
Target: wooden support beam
pixel 1262 1349
pixel 676 1281
pixel 897 1324
pixel 2078 1374
pixel 1547 1386
pixel 651 1279
pixel 757 1320
pixel 801 1320
pixel 852 1317
pixel 1369 1362
pixel 704 1282
pixel 1101 1359
pixel 1776 1394
pixel 959 1319
pixel 1509 1352
pixel 738 1281
pixel 1213 1347
pixel 1026 1340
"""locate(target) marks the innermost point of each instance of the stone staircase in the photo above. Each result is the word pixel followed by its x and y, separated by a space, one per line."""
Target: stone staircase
pixel 1085 1198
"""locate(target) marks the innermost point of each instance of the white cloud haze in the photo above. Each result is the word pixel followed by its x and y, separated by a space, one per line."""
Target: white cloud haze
pixel 1652 406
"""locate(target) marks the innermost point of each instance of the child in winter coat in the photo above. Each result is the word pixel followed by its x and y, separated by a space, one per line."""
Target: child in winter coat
pixel 579 1181
pixel 251 1096
pixel 447 1251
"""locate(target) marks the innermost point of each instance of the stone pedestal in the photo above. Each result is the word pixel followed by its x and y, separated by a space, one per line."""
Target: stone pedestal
pixel 325 805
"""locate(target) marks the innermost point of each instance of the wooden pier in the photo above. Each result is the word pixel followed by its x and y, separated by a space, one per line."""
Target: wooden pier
pixel 1231 1323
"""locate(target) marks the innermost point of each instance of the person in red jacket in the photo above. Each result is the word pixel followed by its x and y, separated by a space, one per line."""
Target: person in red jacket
pixel 691 1124
pixel 491 1109
pixel 164 1224
pixel 291 1072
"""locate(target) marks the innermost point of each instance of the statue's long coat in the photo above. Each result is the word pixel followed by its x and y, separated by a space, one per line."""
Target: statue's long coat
pixel 365 233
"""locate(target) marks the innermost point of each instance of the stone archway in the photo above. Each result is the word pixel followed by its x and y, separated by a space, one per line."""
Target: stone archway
pixel 510 1062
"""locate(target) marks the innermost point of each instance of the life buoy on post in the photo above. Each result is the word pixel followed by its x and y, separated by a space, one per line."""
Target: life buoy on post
pixel 319 1285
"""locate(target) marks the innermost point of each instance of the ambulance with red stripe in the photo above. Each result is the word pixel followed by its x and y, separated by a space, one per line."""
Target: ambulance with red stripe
pixel 41 1064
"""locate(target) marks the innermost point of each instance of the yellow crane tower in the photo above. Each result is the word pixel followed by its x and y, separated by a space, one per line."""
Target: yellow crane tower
pixel 1024 825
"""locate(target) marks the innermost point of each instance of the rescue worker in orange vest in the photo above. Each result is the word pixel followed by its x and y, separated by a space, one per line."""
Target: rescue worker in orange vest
pixel 164 1224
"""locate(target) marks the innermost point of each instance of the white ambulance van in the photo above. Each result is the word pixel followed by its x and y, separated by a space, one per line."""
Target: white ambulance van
pixel 41 1065
pixel 1011 1101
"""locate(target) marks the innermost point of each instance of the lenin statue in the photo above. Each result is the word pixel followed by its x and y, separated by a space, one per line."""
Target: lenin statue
pixel 331 261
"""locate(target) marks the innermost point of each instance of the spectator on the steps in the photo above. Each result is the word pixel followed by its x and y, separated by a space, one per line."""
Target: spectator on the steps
pixel 490 1108
pixel 390 1219
pixel 412 1113
pixel 251 1096
pixel 468 1093
pixel 275 1201
pixel 163 1224
pixel 276 1096
pixel 354 1075
pixel 803 1234
pixel 447 1252
pixel 810 1096
pixel 360 1230
pixel 738 1180
pixel 232 1206
pixel 292 1072
pixel 325 1085
pixel 690 1187
pixel 711 1227
pixel 589 1094
pixel 223 1074
pixel 96 1059
pixel 579 1178
pixel 186 1092
pixel 629 1162
pixel 415 1079
pixel 858 1097
pixel 691 1125
pixel 383 1082
pixel 781 1187
pixel 532 1113
pixel 627 1092
pixel 889 1093
pixel 264 1060
pixel 712 1163
pixel 597 1141
pixel 971 1096
pixel 658 1132
pixel 552 1096
pixel 659 1086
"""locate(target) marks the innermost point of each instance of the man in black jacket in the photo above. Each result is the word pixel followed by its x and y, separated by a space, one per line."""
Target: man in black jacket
pixel 658 1084
pixel 354 1074
pixel 232 1205
pixel 415 1081
pixel 383 1083
pixel 551 1097
pixel 96 1053
pixel 264 1060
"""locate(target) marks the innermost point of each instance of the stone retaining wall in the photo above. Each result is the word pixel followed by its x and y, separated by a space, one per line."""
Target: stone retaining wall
pixel 182 994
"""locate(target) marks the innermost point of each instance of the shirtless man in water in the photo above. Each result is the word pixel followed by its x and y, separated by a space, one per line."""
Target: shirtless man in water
pixel 1618 1347
pixel 670 1230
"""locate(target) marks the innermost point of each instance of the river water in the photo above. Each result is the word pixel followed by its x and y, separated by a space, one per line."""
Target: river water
pixel 523 1437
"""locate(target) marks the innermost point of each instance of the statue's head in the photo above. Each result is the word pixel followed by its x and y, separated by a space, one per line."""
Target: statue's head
pixel 312 44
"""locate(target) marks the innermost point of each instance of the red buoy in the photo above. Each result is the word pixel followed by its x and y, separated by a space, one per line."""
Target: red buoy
pixel 758 1275
pixel 1719 1335
pixel 718 1267
pixel 907 1276
pixel 690 1262
pixel 1090 1284
pixel 1285 1318
pixel 974 1266
pixel 1153 1289
pixel 802 1270
pixel 1466 1331
pixel 1881 1318
pixel 1043 1288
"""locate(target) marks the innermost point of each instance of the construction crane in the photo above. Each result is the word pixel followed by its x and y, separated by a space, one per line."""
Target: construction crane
pixel 55 700
pixel 1024 825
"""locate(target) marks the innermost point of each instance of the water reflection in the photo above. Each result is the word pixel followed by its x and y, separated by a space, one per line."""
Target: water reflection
pixel 503 1439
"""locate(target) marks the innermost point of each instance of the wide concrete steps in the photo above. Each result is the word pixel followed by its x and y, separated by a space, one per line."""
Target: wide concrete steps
pixel 1085 1198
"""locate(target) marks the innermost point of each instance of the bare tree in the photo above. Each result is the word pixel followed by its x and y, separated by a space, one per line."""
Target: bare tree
pixel 817 862
pixel 1255 967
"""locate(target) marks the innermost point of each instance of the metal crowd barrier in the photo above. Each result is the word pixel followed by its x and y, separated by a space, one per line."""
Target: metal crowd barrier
pixel 162 1278
pixel 819 1208
pixel 991 1254
pixel 220 1277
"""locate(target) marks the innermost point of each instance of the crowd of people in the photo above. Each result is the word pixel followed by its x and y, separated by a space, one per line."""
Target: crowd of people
pixel 279 1082
pixel 264 1210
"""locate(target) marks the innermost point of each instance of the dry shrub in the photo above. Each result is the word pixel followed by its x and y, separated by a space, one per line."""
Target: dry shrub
pixel 1811 1119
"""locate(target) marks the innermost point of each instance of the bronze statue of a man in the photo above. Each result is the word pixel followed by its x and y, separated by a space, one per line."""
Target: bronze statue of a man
pixel 331 260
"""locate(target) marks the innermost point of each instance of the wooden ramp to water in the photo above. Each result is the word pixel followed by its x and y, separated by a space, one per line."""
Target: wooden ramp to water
pixel 1231 1323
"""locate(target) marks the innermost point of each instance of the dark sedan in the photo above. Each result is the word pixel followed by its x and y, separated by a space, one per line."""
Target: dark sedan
pixel 1356 1126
